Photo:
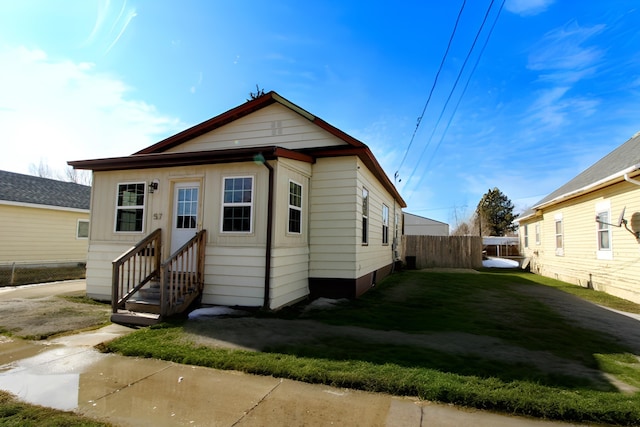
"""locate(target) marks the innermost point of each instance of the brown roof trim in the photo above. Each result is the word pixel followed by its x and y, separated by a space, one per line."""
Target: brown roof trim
pixel 190 158
pixel 156 155
pixel 338 133
pixel 211 124
pixel 368 159
pixel 242 111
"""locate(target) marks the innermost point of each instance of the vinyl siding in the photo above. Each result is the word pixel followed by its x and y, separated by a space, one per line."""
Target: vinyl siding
pixel 99 268
pixel 38 234
pixel 580 264
pixel 274 125
pixel 375 254
pixel 333 218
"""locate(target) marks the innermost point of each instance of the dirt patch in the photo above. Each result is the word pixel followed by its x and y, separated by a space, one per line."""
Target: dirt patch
pixel 42 317
pixel 624 327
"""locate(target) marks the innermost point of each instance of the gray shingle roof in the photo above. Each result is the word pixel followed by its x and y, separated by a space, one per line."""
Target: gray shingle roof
pixel 617 161
pixel 15 187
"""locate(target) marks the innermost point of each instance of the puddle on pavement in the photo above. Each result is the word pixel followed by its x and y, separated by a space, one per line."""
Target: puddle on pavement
pixel 44 375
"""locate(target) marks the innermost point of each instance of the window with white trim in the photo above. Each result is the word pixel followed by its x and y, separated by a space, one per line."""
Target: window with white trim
pixel 365 216
pixel 82 229
pixel 295 207
pixel 385 224
pixel 526 236
pixel 603 230
pixel 237 204
pixel 559 235
pixel 130 207
pixel 537 233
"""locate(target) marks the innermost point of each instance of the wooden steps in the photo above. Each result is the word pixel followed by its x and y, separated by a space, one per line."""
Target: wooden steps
pixel 131 318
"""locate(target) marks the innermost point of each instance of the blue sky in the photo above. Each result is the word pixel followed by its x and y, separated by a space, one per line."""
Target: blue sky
pixel 556 87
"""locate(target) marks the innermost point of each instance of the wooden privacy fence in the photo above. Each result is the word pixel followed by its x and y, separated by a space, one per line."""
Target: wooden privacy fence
pixel 442 251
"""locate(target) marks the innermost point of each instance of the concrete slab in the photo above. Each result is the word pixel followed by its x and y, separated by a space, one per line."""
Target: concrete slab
pixel 179 395
pixel 67 287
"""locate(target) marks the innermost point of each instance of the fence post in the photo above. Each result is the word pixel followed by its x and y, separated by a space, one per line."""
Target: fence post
pixel 13 274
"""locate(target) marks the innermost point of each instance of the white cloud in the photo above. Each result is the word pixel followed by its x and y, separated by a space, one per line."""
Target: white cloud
pixel 527 7
pixel 61 110
pixel 563 49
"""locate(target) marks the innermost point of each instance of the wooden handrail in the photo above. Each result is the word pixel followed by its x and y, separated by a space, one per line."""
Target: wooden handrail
pixel 182 275
pixel 134 268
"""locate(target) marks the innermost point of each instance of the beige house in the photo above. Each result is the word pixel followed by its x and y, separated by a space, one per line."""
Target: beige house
pixel 415 225
pixel 42 221
pixel 288 206
pixel 586 232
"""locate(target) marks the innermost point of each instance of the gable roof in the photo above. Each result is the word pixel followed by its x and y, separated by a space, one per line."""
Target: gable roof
pixel 19 188
pixel 157 155
pixel 624 160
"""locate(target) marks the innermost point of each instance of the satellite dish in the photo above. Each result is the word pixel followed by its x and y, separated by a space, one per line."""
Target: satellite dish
pixel 621 219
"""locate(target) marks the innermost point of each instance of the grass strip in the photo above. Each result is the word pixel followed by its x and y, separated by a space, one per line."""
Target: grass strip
pixel 167 342
pixel 14 413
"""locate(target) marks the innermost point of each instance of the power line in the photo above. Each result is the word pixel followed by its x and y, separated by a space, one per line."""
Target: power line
pixel 455 109
pixel 464 64
pixel 435 81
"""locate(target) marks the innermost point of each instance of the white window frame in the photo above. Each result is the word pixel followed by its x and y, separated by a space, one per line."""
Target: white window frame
pixel 237 205
pixel 137 207
pixel 78 229
pixel 537 233
pixel 385 224
pixel 526 235
pixel 559 248
pixel 603 213
pixel 365 216
pixel 295 208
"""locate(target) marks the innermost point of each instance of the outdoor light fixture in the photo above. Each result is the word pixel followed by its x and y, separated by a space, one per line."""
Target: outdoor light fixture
pixel 153 186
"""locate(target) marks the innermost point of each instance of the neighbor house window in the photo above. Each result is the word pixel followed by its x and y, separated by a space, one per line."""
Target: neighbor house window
pixel 130 207
pixel 537 234
pixel 365 216
pixel 559 235
pixel 237 202
pixel 295 207
pixel 526 236
pixel 385 225
pixel 82 230
pixel 603 227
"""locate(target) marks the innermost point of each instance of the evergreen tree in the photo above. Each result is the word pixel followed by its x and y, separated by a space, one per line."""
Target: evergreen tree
pixel 495 214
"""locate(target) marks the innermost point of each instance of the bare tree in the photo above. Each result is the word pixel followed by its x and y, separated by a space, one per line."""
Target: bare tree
pixel 257 94
pixel 77 176
pixel 42 169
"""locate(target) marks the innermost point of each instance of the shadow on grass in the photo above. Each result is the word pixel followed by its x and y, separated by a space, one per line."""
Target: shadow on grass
pixel 505 305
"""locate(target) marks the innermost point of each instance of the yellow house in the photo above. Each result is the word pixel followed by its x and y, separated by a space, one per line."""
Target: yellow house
pixel 286 205
pixel 42 221
pixel 587 231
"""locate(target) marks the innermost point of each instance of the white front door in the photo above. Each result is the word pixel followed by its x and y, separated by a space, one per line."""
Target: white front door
pixel 185 213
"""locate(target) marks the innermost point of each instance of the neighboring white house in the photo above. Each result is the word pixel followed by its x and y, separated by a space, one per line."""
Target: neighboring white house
pixel 587 231
pixel 42 221
pixel 292 206
pixel 415 225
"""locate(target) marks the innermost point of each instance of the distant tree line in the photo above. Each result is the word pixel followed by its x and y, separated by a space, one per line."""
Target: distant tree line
pixel 69 174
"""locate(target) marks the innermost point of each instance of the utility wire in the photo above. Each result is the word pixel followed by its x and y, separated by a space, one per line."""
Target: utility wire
pixel 475 65
pixel 435 81
pixel 455 85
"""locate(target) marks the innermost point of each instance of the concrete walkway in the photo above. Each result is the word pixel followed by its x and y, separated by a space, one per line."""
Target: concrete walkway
pixel 68 373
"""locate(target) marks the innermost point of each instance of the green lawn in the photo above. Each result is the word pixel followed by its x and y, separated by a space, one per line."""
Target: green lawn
pixel 497 305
